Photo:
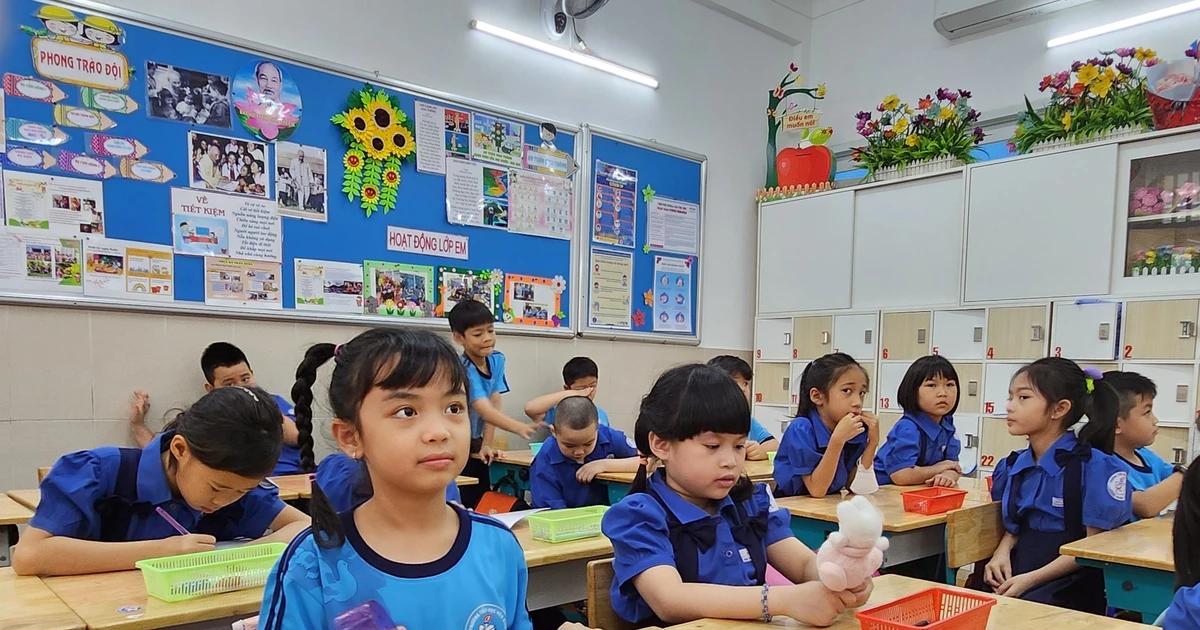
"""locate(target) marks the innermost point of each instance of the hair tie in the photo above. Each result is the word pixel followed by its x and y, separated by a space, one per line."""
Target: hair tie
pixel 1091 375
pixel 337 349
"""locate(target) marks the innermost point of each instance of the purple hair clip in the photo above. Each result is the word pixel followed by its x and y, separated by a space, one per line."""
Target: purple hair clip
pixel 1092 374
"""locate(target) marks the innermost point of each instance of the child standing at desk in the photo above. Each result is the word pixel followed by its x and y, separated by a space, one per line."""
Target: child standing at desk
pixel 922 447
pixel 105 509
pixel 822 447
pixel 581 448
pixel 1155 483
pixel 761 441
pixel 1060 489
pixel 1184 612
pixel 580 375
pixel 693 540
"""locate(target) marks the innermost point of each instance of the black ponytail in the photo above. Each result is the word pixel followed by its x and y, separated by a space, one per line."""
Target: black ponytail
pixel 1058 379
pixel 327 528
pixel 233 429
pixel 821 375
pixel 1186 530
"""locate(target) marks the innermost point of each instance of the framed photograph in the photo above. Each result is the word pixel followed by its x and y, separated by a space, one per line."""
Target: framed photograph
pixel 228 165
pixel 187 96
pixel 300 181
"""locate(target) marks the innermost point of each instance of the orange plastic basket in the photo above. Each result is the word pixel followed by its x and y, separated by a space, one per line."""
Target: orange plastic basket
pixel 934 609
pixel 933 500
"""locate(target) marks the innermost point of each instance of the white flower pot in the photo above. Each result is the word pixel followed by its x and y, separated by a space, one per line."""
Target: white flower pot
pixel 916 168
pixel 1051 145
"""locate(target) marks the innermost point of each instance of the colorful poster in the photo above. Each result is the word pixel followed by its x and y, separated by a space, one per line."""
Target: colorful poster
pixel 188 96
pixel 427 243
pixel 673 226
pixel 497 140
pixel 540 205
pixel 212 224
pixel 615 205
pixel 243 283
pixel 430 126
pixel 333 287
pixel 533 301
pixel 128 270
pixel 458 285
pixel 548 161
pixel 63 206
pixel 40 264
pixel 266 101
pixel 611 291
pixel 300 181
pixel 397 290
pixel 464 193
pixel 458 133
pixel 672 294
pixel 228 165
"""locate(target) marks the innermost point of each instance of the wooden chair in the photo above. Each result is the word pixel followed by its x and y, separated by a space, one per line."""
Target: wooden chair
pixel 599 603
pixel 42 472
pixel 972 535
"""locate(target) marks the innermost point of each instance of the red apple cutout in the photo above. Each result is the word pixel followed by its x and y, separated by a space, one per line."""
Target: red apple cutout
pixel 810 165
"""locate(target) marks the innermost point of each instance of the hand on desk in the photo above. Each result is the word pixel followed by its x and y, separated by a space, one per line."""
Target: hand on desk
pixel 192 543
pixel 588 471
pixel 813 604
pixel 754 451
pixel 488 453
pixel 947 477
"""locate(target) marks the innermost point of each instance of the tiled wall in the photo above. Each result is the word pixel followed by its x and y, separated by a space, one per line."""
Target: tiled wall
pixel 69 375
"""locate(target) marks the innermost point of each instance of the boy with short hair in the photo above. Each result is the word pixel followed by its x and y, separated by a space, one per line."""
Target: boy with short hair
pixel 760 441
pixel 580 449
pixel 1155 483
pixel 580 378
pixel 225 365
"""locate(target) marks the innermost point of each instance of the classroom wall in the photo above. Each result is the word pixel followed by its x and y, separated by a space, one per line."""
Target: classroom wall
pixel 865 51
pixel 713 71
pixel 70 374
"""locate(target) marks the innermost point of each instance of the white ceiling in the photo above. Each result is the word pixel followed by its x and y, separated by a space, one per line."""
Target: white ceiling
pixel 789 21
pixel 815 8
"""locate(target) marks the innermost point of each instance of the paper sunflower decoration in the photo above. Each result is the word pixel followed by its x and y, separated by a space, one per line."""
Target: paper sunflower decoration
pixel 379 140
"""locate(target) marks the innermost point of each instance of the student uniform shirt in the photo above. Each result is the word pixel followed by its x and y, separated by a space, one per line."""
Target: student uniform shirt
pixel 1152 471
pixel 1038 490
pixel 80 480
pixel 289 456
pixel 339 474
pixel 1184 612
pixel 637 527
pixel 479 584
pixel 553 482
pixel 549 419
pixel 758 432
pixel 480 385
pixel 903 446
pixel 801 449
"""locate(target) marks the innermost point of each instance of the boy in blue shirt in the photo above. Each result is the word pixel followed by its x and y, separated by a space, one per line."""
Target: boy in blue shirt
pixel 473 327
pixel 1155 483
pixel 760 442
pixel 225 365
pixel 580 378
pixel 580 449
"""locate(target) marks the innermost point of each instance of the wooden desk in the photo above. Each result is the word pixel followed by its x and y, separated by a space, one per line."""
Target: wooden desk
pixel 1009 614
pixel 558 572
pixel 514 464
pixel 1139 568
pixel 11 515
pixel 27 498
pixel 620 483
pixel 292 487
pixel 119 600
pixel 29 604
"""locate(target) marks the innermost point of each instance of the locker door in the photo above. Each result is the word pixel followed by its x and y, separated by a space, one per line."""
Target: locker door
pixel 890 375
pixel 959 334
pixel 905 335
pixel 775 419
pixel 887 420
pixel 995 443
pixel 970 387
pixel 1172 445
pixel 995 387
pixel 855 335
pixel 1016 332
pixel 1160 330
pixel 1173 405
pixel 813 336
pixel 794 388
pixel 966 427
pixel 771 383
pixel 1085 332
pixel 773 339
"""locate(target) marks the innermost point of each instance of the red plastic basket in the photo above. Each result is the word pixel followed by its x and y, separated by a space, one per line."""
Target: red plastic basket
pixel 934 609
pixel 933 500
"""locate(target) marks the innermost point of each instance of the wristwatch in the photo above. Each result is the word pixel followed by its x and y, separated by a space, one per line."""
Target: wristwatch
pixel 1181 469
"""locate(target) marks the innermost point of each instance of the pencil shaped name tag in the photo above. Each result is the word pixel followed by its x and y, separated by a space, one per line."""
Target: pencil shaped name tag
pixel 32 88
pixel 108 101
pixel 25 157
pixel 82 118
pixel 146 171
pixel 21 130
pixel 86 165
pixel 368 616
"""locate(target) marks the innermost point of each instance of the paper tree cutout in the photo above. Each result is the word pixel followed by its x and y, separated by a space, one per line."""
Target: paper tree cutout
pixel 647 194
pixel 379 139
pixel 639 318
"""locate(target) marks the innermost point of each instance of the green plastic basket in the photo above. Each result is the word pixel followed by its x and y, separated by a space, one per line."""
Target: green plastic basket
pixel 555 526
pixel 178 578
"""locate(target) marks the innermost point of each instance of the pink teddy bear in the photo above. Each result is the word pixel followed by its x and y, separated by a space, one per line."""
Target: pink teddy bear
pixel 855 552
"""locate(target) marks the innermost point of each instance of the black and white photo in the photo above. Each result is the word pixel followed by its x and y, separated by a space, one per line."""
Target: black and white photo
pixel 190 96
pixel 300 181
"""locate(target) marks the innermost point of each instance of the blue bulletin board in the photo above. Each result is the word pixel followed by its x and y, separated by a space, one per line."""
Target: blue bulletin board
pixel 643 225
pixel 47 99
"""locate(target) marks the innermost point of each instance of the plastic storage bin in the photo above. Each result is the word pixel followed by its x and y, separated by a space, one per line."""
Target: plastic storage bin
pixel 177 578
pixel 934 609
pixel 557 526
pixel 535 447
pixel 933 500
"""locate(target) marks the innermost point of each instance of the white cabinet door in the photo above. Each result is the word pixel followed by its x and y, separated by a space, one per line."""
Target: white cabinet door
pixel 959 335
pixel 1035 230
pixel 966 428
pixel 890 375
pixel 804 246
pixel 996 377
pixel 773 418
pixel 773 339
pixel 908 243
pixel 794 389
pixel 1175 382
pixel 1085 332
pixel 856 335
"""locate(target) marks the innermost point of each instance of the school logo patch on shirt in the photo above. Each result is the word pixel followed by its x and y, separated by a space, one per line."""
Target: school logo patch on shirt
pixel 1116 485
pixel 486 617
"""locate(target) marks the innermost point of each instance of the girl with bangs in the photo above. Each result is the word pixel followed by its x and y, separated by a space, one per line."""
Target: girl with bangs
pixel 922 447
pixel 693 539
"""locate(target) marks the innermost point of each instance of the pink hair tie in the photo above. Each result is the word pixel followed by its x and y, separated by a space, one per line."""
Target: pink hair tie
pixel 337 349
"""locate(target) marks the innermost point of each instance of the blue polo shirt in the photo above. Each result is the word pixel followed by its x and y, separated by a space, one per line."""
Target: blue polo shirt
pixel 339 474
pixel 549 419
pixel 801 449
pixel 903 448
pixel 80 480
pixel 758 432
pixel 1149 473
pixel 1038 490
pixel 1184 612
pixel 480 385
pixel 289 456
pixel 637 527
pixel 552 474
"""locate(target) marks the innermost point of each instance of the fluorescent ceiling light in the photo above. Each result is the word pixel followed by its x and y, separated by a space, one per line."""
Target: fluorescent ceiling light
pixel 1126 23
pixel 569 55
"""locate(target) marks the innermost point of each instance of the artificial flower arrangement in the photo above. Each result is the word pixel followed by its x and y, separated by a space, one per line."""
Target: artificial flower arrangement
pixel 1092 100
pixel 1151 200
pixel 1166 260
pixel 379 139
pixel 941 126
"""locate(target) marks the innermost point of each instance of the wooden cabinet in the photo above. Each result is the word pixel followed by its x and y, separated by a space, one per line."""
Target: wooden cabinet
pixel 1173 404
pixel 1172 445
pixel 1034 230
pixel 1160 330
pixel 995 443
pixel 908 243
pixel 1016 332
pixel 904 335
pixel 805 246
pixel 772 381
pixel 812 336
pixel 887 420
pixel 996 377
pixel 794 389
pixel 856 335
pixel 890 375
pixel 970 387
pixel 959 334
pixel 773 339
pixel 1083 332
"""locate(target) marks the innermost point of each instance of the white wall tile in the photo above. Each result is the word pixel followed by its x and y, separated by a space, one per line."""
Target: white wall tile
pixel 49 369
